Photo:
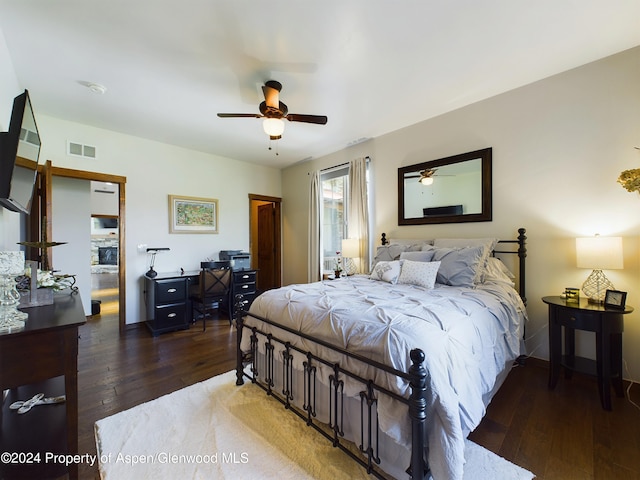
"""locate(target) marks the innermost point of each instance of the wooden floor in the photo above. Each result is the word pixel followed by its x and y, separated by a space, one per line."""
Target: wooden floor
pixel 559 434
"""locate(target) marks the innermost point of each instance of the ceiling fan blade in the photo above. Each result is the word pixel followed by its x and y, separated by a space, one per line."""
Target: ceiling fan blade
pixel 296 117
pixel 239 115
pixel 271 91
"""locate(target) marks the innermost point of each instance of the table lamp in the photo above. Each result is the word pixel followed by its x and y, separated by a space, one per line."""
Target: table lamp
pixel 598 253
pixel 11 265
pixel 350 250
pixel 151 273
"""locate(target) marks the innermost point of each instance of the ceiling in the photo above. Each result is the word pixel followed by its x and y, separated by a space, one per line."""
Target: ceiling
pixel 371 66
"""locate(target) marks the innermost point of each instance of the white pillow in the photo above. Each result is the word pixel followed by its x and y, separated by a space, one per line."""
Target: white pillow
pixel 387 271
pixel 419 273
pixel 497 272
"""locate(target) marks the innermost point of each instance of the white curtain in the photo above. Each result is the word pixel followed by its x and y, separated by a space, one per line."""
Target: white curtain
pixel 358 221
pixel 315 231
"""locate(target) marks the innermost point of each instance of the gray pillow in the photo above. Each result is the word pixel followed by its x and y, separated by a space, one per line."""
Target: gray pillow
pixel 388 253
pixel 421 256
pixel 458 266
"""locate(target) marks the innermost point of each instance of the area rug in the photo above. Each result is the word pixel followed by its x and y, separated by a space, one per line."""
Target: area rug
pixel 216 430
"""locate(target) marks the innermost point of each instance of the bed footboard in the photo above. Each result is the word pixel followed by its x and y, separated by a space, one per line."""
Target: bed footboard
pixel 279 353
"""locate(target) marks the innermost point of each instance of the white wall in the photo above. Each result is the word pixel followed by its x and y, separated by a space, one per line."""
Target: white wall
pixel 558 148
pixel 70 204
pixel 153 171
pixel 9 88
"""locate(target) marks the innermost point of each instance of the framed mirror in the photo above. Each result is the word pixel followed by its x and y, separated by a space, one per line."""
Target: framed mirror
pixel 448 190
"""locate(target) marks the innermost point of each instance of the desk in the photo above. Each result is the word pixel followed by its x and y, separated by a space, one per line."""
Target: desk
pixel 46 348
pixel 608 325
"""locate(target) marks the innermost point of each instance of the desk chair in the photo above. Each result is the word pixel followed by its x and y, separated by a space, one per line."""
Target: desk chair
pixel 213 288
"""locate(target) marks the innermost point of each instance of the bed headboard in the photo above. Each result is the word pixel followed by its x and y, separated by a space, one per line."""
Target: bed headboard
pixel 520 251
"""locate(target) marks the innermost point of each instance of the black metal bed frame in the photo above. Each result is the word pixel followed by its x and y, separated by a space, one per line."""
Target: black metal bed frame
pixel 368 455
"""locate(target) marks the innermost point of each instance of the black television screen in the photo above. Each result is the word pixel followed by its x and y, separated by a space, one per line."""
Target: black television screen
pixel 19 156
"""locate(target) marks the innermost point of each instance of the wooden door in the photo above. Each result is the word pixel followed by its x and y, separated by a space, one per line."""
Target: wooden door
pixel 267 267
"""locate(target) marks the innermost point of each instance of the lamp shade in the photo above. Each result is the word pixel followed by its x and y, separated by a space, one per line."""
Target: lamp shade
pixel 273 126
pixel 599 253
pixel 350 248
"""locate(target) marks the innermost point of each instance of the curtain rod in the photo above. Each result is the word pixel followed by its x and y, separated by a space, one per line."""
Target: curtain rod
pixel 341 165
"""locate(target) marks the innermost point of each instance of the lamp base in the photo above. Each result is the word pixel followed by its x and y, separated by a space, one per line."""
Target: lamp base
pixel 595 287
pixel 151 273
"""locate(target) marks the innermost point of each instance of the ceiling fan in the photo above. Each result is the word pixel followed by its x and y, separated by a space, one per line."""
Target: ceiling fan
pixel 274 111
pixel 425 177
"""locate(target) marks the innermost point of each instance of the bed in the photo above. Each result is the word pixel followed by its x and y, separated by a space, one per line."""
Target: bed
pixel 395 367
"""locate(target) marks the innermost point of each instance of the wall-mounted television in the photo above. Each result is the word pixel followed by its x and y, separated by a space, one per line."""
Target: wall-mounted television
pixel 19 156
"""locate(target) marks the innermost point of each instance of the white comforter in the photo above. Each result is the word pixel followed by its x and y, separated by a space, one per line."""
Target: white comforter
pixel 469 336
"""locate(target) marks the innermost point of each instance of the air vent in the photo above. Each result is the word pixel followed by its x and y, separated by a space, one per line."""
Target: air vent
pixel 79 150
pixel 29 136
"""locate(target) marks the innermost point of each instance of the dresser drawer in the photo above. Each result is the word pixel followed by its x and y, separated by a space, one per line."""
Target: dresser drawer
pixel 169 316
pixel 581 320
pixel 244 277
pixel 171 291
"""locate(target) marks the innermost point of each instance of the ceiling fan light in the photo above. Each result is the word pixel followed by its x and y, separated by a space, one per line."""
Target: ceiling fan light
pixel 273 127
pixel 426 180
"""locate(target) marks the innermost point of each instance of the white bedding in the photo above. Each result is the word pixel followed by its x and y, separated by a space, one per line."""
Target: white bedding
pixel 469 336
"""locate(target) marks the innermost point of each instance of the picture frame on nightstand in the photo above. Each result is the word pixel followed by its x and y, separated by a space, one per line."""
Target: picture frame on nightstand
pixel 615 299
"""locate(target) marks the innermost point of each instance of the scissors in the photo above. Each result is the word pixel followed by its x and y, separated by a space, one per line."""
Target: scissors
pixel 24 407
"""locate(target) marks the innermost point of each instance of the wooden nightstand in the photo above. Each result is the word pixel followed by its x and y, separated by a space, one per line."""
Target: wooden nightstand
pixel 608 325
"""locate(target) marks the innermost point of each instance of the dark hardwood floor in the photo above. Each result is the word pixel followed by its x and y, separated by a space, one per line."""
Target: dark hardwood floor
pixel 558 434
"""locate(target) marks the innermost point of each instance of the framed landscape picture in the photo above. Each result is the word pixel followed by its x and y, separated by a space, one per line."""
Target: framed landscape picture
pixel 193 214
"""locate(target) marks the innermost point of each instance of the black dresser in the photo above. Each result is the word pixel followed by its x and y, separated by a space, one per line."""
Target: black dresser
pixel 167 298
pixel 167 301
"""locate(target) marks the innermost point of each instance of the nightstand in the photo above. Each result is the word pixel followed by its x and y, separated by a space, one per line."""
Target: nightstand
pixel 608 325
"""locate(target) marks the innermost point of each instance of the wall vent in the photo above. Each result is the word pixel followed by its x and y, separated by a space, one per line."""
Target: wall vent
pixel 79 150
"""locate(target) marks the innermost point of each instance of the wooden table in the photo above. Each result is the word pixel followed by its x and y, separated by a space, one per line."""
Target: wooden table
pixel 46 348
pixel 608 325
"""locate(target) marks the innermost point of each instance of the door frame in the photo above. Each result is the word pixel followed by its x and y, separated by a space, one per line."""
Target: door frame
pixel 276 201
pixel 46 209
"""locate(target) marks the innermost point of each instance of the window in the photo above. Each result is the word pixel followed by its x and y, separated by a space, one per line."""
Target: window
pixel 335 194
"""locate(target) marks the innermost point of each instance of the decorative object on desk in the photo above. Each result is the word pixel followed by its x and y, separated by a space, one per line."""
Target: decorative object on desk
pixel 11 265
pixel 615 299
pixel 36 286
pixel 598 253
pixel 338 268
pixel 350 250
pixel 193 215
pixel 43 245
pixel 572 295
pixel 151 273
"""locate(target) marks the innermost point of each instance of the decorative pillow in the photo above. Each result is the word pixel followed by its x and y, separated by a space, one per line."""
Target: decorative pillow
pixel 419 273
pixel 388 253
pixel 421 256
pixel 387 271
pixel 459 266
pixel 488 243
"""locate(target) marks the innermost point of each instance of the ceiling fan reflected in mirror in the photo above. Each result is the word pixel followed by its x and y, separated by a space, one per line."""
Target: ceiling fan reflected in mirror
pixel 273 111
pixel 425 177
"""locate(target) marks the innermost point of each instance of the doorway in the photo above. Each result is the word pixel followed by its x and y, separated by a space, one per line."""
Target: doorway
pixel 44 211
pixel 265 240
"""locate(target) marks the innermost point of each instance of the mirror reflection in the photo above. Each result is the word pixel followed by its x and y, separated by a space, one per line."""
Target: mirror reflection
pixel 447 190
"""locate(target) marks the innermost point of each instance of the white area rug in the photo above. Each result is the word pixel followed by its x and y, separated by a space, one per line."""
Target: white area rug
pixel 216 430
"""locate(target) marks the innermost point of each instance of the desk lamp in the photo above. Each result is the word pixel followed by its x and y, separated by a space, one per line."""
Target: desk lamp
pixel 151 273
pixel 11 265
pixel 350 250
pixel 598 253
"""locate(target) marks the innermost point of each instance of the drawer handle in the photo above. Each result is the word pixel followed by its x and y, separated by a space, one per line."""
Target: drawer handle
pixel 573 319
pixel 171 315
pixel 172 290
pixel 245 286
pixel 245 276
